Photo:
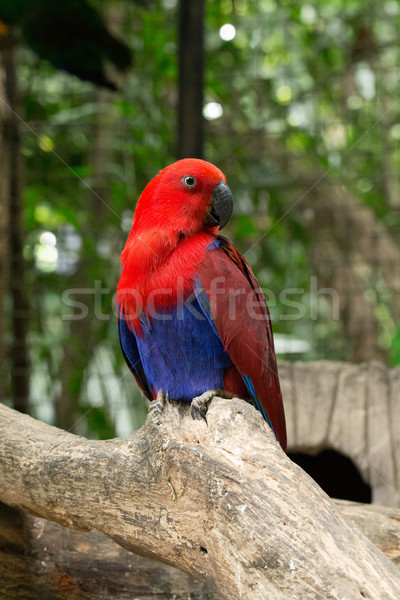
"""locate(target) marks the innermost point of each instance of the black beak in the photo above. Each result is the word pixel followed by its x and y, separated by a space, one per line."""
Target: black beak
pixel 221 206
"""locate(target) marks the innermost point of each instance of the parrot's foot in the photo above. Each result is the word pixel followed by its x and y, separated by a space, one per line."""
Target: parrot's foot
pixel 160 400
pixel 200 403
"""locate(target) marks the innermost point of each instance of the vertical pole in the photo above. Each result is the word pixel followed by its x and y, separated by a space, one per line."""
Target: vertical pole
pixel 191 79
pixel 20 367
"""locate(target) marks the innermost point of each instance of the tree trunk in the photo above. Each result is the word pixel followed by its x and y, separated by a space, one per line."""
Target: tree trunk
pixel 12 172
pixel 217 498
pixel 84 333
pixel 350 251
pixel 4 243
pixel 191 79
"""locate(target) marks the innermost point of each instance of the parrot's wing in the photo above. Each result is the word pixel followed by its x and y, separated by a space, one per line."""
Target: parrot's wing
pixel 131 354
pixel 232 300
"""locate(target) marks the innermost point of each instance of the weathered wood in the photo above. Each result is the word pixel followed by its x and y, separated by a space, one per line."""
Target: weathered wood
pixel 40 559
pixel 217 499
pixel 381 525
pixel 353 409
pixel 71 565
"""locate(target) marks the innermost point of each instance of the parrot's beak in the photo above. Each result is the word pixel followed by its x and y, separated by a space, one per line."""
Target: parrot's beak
pixel 221 208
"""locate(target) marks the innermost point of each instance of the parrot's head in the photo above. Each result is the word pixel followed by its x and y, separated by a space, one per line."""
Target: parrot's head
pixel 185 197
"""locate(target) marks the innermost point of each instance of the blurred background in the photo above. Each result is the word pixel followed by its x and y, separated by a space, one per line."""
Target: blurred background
pixel 298 105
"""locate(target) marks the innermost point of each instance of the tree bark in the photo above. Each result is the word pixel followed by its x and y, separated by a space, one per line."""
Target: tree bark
pixel 70 565
pixel 40 559
pixel 218 499
pixel 12 195
pixel 381 525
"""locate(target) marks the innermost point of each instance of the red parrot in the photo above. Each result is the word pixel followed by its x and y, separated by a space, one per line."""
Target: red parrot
pixel 193 321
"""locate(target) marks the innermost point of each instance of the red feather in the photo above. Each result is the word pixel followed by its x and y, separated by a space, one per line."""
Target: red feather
pixel 168 248
pixel 243 322
pixel 167 239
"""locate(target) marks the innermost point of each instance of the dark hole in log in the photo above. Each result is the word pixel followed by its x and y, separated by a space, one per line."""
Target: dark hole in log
pixel 335 473
pixel 203 550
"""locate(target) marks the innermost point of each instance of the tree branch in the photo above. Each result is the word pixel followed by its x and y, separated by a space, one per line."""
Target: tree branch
pixel 72 565
pixel 218 500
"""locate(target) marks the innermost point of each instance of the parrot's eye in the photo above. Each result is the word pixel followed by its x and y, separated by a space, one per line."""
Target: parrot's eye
pixel 189 181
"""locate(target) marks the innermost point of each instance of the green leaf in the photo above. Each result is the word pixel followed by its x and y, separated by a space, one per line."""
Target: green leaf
pixel 395 349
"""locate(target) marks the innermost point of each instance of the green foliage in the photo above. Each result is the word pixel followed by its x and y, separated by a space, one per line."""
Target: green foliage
pixel 395 349
pixel 300 97
pixel 97 420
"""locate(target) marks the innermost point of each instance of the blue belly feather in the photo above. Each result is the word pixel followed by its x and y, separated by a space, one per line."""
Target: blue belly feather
pixel 180 352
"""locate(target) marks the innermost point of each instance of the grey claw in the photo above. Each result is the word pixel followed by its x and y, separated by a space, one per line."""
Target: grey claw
pixel 160 401
pixel 200 403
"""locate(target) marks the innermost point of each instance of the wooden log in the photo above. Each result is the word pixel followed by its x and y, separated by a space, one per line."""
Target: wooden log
pixel 218 499
pixel 70 565
pixel 353 409
pixel 380 524
pixel 40 559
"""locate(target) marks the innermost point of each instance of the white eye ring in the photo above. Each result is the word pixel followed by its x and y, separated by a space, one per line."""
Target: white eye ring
pixel 189 181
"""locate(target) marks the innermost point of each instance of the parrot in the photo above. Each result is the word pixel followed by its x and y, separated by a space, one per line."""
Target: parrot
pixel 71 35
pixel 193 321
